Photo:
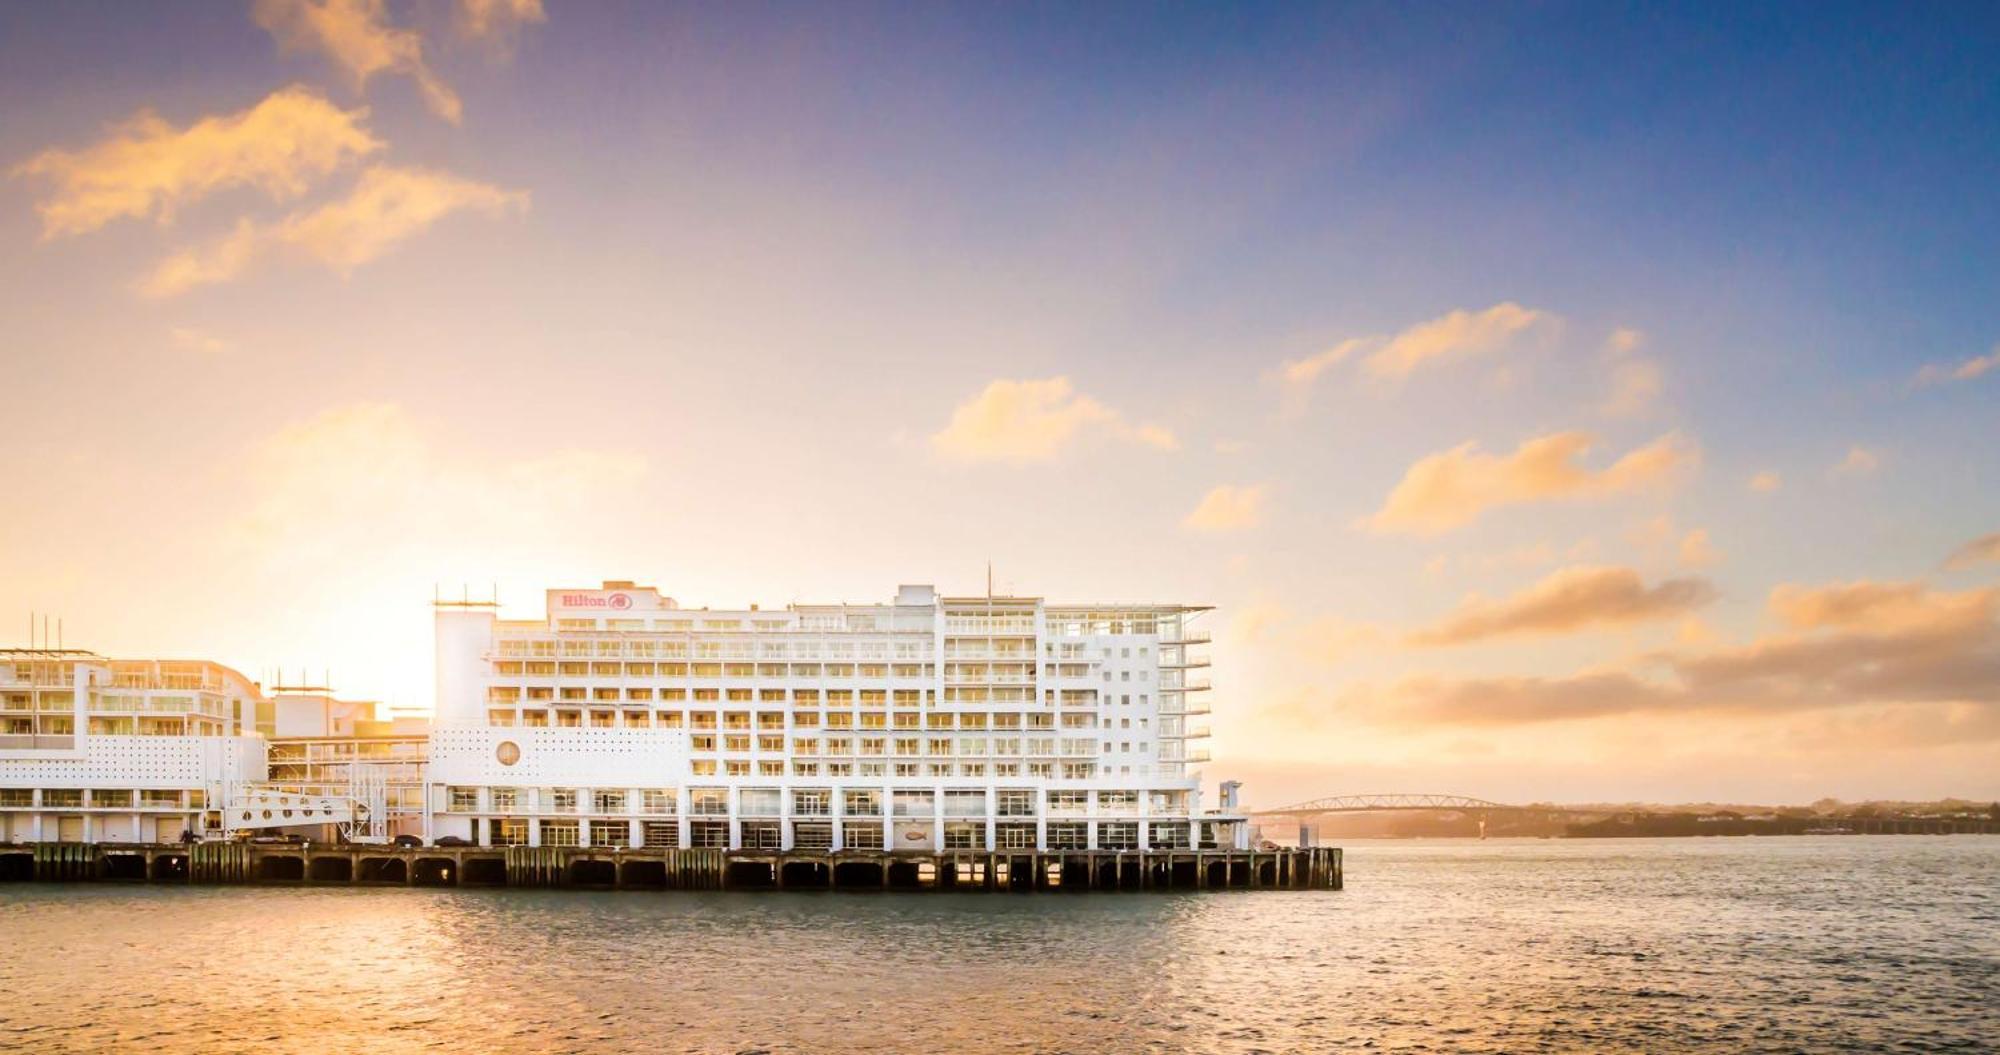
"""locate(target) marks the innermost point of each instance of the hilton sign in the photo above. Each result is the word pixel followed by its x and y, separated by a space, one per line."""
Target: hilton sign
pixel 614 601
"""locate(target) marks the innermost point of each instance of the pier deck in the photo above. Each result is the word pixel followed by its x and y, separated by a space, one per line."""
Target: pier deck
pixel 1312 868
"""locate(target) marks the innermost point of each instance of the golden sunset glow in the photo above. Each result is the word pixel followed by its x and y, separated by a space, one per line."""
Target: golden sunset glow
pixel 1536 473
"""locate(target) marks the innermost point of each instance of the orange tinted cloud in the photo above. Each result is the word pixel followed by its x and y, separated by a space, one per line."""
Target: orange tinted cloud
pixel 1458 335
pixel 1880 607
pixel 1453 488
pixel 1967 370
pixel 1032 421
pixel 357 36
pixel 1566 601
pixel 387 206
pixel 148 168
pixel 1982 550
pixel 1893 646
pixel 1229 508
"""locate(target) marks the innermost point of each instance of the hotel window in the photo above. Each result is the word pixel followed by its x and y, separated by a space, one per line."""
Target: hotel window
pixel 805 746
pixel 701 720
pixel 561 833
pixel 658 800
pixel 1015 802
pixel 861 803
pixel 464 800
pixel 909 769
pixel 839 745
pixel 915 803
pixel 510 831
pixel 771 767
pixel 908 720
pixel 812 802
pixel 701 742
pixel 562 800
pixel 836 769
pixel 702 767
pixel 1123 835
pixel 1067 836
pixel 839 720
pixel 805 769
pixel 710 802
pixel 610 833
pixel 736 742
pixel 608 802
pixel 874 745
pixel 709 834
pixel 505 799
pixel 662 834
pixel 805 720
pixel 874 721
pixel 733 768
pixel 762 835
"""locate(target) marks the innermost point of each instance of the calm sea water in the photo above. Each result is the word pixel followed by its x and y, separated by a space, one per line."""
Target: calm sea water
pixel 1782 945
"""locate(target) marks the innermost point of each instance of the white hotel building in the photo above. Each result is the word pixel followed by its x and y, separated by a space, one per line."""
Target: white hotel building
pixel 926 723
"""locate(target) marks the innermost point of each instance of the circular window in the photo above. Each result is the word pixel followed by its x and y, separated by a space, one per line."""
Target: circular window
pixel 508 752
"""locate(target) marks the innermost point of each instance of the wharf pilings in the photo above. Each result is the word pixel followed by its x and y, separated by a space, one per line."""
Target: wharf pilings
pixel 1308 868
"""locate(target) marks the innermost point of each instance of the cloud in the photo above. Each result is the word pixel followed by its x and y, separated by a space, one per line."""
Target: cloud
pixel 1697 551
pixel 1229 508
pixel 1967 370
pixel 1985 549
pixel 386 206
pixel 1766 482
pixel 1635 379
pixel 1893 646
pixel 357 36
pixel 369 477
pixel 1032 421
pixel 1457 335
pixel 1879 607
pixel 1300 372
pixel 1860 461
pixel 1452 488
pixel 1460 334
pixel 491 18
pixel 145 167
pixel 189 339
pixel 1566 601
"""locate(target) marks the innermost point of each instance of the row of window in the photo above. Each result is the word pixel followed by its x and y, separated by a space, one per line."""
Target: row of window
pixel 903 802
pixel 768 835
pixel 102 798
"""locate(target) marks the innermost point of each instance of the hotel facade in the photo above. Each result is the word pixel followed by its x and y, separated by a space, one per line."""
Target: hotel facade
pixel 924 723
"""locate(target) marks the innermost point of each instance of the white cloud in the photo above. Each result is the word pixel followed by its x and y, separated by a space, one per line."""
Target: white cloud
pixel 387 206
pixel 1032 421
pixel 146 167
pixel 1766 482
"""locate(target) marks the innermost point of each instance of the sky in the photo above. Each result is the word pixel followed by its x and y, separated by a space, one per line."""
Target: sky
pixel 1557 402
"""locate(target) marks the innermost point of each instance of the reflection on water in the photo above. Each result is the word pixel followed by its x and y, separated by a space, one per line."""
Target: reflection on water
pixel 1794 944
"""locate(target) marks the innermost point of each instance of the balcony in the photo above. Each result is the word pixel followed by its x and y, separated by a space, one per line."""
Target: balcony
pixel 1186 637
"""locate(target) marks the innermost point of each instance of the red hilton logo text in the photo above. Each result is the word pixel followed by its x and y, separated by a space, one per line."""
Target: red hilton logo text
pixel 618 601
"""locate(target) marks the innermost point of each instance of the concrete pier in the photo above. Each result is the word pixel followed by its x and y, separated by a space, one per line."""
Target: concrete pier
pixel 1311 868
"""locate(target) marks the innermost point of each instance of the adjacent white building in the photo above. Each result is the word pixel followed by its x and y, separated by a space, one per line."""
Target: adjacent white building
pixel 928 722
pixel 107 750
